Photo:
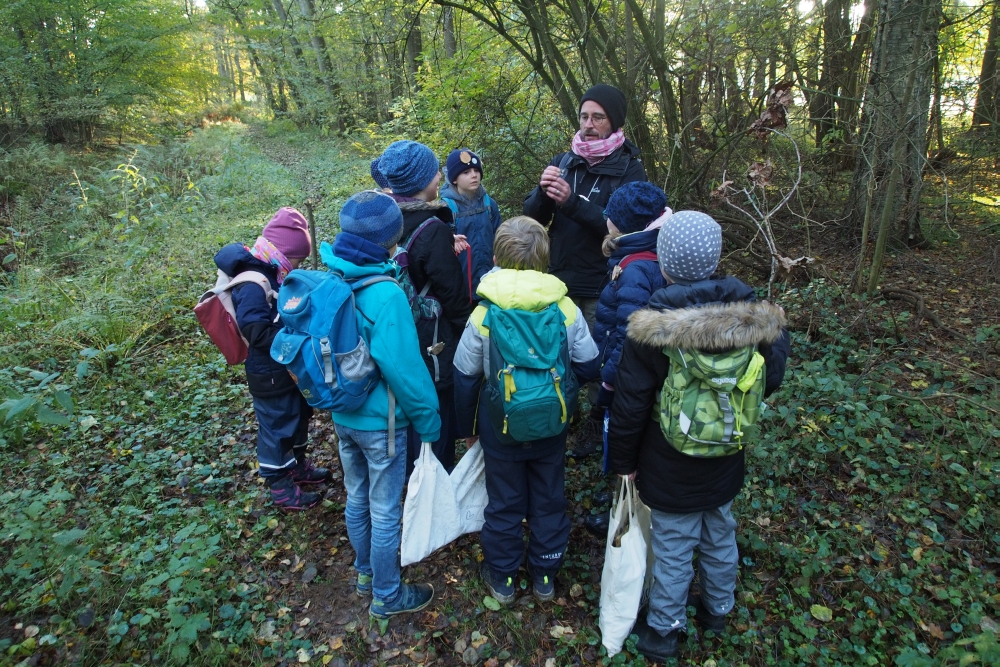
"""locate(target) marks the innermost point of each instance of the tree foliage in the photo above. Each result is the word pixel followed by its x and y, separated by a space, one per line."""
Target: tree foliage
pixel 68 67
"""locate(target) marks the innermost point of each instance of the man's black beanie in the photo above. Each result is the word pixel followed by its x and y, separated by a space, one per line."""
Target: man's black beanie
pixel 611 100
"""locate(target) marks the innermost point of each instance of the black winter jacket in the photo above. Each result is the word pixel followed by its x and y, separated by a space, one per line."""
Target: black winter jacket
pixel 256 320
pixel 578 227
pixel 432 259
pixel 666 479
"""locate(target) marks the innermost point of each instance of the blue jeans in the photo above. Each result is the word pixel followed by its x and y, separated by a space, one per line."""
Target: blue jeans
pixel 374 508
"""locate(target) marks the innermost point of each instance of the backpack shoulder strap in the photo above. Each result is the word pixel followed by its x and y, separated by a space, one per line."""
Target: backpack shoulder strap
pixel 418 230
pixel 452 204
pixel 361 284
pixel 566 159
pixel 255 277
pixel 487 202
pixel 637 257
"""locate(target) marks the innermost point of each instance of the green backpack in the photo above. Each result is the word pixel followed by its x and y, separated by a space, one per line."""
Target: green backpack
pixel 532 389
pixel 711 401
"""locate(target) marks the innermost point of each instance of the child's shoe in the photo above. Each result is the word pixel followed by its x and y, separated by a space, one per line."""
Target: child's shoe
pixel 363 587
pixel 706 619
pixel 412 597
pixel 288 497
pixel 543 586
pixel 501 588
pixel 589 440
pixel 306 473
pixel 654 646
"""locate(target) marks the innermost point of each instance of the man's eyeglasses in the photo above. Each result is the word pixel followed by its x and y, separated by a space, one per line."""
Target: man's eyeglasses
pixel 597 118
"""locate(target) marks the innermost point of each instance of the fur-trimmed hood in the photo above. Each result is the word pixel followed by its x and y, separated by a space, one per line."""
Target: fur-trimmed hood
pixel 717 326
pixel 411 204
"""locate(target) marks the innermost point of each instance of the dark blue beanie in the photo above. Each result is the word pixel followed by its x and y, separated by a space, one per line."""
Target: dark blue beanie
pixel 635 205
pixel 377 175
pixel 408 166
pixel 460 161
pixel 374 217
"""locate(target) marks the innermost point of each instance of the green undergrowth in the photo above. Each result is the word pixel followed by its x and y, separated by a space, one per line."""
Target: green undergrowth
pixel 123 535
pixel 131 525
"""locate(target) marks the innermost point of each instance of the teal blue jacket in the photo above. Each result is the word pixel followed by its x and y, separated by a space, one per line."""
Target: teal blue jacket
pixel 386 323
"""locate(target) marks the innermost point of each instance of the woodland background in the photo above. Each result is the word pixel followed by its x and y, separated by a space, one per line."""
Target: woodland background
pixel 849 150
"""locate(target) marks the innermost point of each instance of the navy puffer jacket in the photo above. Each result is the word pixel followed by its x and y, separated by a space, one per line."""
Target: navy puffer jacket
pixel 256 320
pixel 623 296
pixel 478 218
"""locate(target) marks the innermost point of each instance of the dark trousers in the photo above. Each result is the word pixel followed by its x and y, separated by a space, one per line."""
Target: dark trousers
pixel 444 447
pixel 282 431
pixel 531 489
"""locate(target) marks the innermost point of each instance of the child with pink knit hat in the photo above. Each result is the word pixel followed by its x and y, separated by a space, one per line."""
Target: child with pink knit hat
pixel 282 413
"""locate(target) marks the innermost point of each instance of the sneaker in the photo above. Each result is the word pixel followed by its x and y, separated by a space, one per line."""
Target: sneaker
pixel 543 586
pixel 706 619
pixel 598 524
pixel 501 588
pixel 288 497
pixel 412 597
pixel 306 473
pixel 589 440
pixel 599 498
pixel 363 586
pixel 654 646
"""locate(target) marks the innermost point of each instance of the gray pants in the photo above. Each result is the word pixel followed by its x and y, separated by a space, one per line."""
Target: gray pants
pixel 675 538
pixel 589 308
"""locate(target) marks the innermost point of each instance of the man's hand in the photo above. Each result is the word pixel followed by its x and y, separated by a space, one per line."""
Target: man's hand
pixel 469 442
pixel 554 185
pixel 461 244
pixel 630 477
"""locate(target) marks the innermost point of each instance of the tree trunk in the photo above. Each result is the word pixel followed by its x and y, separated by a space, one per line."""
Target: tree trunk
pixel 239 75
pixel 414 50
pixel 986 97
pixel 836 42
pixel 450 44
pixel 894 121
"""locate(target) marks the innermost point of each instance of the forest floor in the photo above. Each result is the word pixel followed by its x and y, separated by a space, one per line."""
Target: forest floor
pixel 136 529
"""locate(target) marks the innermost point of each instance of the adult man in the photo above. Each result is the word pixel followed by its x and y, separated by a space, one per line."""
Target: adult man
pixel 570 198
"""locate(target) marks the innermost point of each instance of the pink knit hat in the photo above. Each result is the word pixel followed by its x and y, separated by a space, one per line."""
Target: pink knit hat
pixel 289 232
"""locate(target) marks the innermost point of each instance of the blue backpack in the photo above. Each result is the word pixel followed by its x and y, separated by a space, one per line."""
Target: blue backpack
pixel 320 344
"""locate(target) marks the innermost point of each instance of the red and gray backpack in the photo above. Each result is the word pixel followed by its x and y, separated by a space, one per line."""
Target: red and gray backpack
pixel 217 315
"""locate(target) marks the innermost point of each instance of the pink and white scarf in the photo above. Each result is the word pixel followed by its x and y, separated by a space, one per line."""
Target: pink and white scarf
pixel 596 150
pixel 265 251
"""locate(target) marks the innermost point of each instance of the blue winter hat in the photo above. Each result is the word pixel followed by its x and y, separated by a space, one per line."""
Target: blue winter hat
pixel 374 217
pixel 377 175
pixel 635 205
pixel 688 247
pixel 408 166
pixel 460 161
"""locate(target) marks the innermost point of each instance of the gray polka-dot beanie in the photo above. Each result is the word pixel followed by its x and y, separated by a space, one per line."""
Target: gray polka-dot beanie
pixel 688 246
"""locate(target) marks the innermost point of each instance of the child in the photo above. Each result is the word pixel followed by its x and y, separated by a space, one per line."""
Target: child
pixel 523 479
pixel 374 468
pixel 636 211
pixel 411 169
pixel 690 497
pixel 282 413
pixel 476 215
